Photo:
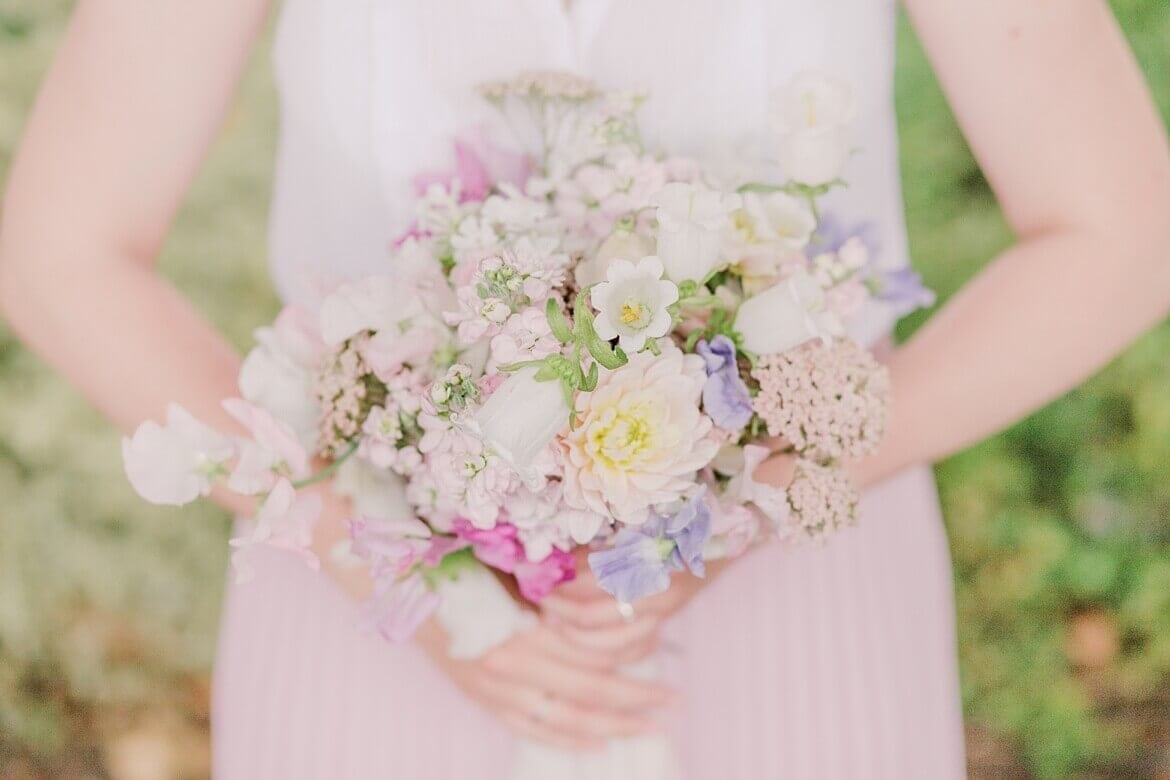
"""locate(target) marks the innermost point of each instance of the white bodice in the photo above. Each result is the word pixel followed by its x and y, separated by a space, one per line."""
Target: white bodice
pixel 373 92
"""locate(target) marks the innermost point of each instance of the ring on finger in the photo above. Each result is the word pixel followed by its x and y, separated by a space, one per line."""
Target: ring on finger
pixel 626 610
pixel 542 709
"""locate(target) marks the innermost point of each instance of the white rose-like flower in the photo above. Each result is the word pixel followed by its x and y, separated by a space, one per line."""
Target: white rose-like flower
pixel 621 243
pixel 786 315
pixel 691 221
pixel 774 218
pixel 812 115
pixel 641 437
pixel 633 303
pixel 521 418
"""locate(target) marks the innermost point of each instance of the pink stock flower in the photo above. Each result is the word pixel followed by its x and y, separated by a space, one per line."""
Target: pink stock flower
pixel 174 464
pixel 285 522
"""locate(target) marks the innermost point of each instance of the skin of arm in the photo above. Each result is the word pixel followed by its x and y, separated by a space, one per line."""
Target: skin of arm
pixel 120 127
pixel 1058 115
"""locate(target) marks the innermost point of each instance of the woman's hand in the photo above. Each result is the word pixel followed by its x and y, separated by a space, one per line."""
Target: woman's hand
pixel 590 618
pixel 548 689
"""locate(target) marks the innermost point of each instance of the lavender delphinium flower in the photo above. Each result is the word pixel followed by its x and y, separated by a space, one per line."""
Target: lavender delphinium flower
pixel 832 233
pixel 640 562
pixel 726 398
pixel 902 289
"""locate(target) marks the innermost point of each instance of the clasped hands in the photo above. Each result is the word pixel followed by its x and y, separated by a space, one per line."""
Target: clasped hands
pixel 562 682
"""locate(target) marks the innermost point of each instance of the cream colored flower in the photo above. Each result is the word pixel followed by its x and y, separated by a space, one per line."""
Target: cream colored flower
pixel 640 437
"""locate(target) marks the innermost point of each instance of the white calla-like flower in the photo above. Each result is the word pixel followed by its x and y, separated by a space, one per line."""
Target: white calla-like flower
pixel 691 222
pixel 633 303
pixel 812 115
pixel 521 418
pixel 786 315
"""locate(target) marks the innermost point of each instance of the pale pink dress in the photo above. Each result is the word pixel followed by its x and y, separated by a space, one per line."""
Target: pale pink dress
pixel 811 663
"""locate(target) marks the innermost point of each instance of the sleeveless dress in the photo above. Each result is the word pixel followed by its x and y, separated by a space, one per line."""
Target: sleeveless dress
pixel 799 663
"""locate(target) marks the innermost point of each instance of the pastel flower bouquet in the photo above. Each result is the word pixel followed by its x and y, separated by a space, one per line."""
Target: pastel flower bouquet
pixel 591 345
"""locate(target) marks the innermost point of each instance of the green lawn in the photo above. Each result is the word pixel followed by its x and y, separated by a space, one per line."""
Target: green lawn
pixel 1059 526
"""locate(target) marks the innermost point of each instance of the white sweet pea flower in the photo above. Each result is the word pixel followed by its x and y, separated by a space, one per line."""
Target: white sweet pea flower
pixel 786 315
pixel 277 374
pixel 520 419
pixel 633 303
pixel 691 221
pixel 812 115
pixel 174 464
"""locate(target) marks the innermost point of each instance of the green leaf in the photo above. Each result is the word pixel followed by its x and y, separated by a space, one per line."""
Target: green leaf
pixel 557 322
pixel 590 382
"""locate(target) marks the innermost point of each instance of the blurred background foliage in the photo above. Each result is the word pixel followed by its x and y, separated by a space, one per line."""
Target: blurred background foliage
pixel 1059 526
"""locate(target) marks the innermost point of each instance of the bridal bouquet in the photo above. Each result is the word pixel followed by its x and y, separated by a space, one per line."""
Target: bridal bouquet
pixel 587 345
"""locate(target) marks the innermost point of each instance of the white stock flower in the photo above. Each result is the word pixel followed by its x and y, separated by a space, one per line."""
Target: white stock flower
pixel 691 221
pixel 521 418
pixel 786 315
pixel 173 464
pixel 812 115
pixel 633 303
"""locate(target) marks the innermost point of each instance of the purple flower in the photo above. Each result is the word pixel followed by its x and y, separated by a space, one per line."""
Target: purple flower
pixel 832 233
pixel 641 559
pixel 902 289
pixel 725 396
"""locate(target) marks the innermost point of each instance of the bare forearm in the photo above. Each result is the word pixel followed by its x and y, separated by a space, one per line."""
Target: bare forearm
pixel 132 343
pixel 1038 320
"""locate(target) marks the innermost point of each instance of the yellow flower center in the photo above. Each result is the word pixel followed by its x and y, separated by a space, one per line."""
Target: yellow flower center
pixel 634 313
pixel 623 435
pixel 810 108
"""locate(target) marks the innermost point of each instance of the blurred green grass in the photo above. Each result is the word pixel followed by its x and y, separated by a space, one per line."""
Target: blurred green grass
pixel 1058 526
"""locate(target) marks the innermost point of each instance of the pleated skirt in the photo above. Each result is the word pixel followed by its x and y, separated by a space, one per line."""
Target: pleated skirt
pixel 799 663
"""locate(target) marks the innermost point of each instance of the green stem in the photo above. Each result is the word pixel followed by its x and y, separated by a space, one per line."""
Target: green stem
pixel 329 470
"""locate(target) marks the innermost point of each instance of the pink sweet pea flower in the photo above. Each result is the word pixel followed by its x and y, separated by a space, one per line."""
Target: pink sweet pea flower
pixel 537 580
pixel 479 166
pixel 399 607
pixel 174 464
pixel 286 522
pixel 274 449
pixel 499 548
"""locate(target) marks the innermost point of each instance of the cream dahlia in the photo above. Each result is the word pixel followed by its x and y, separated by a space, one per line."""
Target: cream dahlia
pixel 640 437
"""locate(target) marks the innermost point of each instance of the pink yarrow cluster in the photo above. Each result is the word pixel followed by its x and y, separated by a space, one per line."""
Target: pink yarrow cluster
pixel 826 401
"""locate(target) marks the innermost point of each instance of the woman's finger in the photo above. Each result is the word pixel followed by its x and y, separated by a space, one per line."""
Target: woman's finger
pixel 611 640
pixel 529 728
pixel 602 612
pixel 599 690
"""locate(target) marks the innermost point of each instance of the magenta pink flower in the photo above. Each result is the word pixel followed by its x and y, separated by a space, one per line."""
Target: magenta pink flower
pixel 500 548
pixel 538 579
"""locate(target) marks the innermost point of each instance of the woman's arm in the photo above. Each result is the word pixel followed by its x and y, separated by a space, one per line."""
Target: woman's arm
pixel 1058 116
pixel 122 122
